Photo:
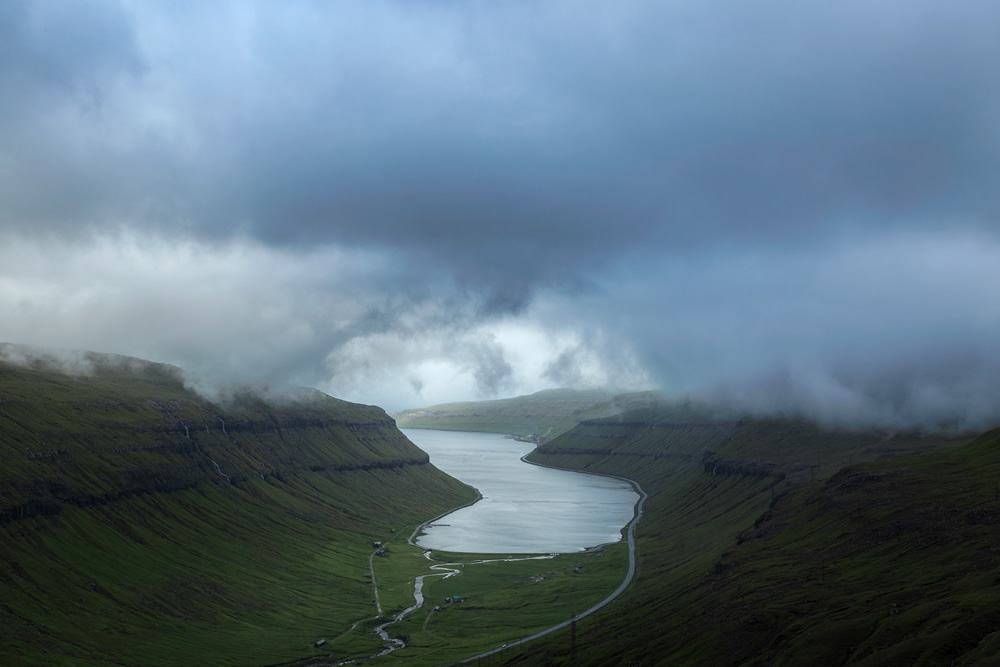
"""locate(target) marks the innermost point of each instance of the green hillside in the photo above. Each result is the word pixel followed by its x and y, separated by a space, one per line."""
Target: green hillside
pixel 774 541
pixel 143 525
pixel 547 413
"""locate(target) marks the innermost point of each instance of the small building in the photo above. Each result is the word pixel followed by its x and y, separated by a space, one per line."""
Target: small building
pixel 319 642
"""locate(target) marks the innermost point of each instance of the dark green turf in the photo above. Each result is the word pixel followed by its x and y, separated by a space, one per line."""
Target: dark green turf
pixel 889 561
pixel 123 542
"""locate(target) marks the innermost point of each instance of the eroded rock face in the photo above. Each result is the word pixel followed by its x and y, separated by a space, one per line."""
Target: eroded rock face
pixel 95 440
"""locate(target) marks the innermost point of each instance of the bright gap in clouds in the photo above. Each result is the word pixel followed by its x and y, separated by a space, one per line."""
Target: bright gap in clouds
pixel 347 321
pixel 492 358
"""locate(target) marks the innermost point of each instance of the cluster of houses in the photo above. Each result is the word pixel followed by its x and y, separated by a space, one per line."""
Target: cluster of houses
pixel 451 600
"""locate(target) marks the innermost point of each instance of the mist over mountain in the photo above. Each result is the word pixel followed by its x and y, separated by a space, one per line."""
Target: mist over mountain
pixel 786 208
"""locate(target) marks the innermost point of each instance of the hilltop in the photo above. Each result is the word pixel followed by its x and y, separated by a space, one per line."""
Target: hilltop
pixel 545 414
pixel 141 523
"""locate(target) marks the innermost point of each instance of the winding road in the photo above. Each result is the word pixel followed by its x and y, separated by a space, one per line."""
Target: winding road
pixel 630 539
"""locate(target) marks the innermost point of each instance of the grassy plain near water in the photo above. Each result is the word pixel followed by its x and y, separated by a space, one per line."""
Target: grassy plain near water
pixel 211 576
pixel 503 597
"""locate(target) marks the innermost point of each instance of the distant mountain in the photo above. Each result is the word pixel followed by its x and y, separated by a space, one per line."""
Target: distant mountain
pixel 142 524
pixel 547 413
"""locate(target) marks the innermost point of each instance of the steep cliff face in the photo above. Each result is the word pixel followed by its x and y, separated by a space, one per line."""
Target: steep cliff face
pixel 86 440
pixel 142 524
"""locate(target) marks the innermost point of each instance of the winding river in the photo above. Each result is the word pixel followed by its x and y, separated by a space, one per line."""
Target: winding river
pixel 524 508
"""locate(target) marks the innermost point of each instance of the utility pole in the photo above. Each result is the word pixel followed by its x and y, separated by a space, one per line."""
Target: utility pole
pixel 572 638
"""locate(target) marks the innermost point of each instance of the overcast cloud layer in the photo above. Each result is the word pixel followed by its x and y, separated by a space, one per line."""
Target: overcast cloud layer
pixel 786 205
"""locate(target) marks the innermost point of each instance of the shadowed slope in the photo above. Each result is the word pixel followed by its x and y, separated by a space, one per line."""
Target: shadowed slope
pixel 711 484
pixel 142 524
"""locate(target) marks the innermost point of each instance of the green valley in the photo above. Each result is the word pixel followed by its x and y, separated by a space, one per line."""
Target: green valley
pixel 778 541
pixel 146 525
pixel 142 524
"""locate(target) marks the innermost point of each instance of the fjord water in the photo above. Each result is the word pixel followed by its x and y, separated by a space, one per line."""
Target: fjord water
pixel 525 508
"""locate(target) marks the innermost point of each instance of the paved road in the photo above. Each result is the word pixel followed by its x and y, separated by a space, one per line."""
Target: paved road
pixel 618 591
pixel 371 570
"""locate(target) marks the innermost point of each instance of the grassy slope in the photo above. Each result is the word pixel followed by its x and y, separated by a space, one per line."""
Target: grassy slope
pixel 122 543
pixel 547 413
pixel 690 603
pixel 885 563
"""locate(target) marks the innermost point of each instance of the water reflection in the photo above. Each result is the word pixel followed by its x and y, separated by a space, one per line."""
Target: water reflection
pixel 525 508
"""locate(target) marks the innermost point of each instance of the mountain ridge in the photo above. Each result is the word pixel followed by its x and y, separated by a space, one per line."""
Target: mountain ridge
pixel 547 413
pixel 143 524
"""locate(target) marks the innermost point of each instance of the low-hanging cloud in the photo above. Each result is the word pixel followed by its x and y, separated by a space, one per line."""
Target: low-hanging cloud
pixel 884 330
pixel 789 207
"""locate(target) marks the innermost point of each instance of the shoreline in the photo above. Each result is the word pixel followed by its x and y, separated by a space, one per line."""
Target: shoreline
pixel 627 535
pixel 626 581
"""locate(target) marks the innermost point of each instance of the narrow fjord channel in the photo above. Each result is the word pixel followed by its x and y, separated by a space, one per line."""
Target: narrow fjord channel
pixel 524 508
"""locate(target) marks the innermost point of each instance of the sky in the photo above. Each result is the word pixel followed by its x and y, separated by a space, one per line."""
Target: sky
pixel 791 207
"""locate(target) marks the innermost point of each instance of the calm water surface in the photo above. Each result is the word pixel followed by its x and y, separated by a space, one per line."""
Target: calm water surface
pixel 525 508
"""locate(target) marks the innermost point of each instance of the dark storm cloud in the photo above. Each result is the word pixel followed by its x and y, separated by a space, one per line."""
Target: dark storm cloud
pixel 888 330
pixel 58 65
pixel 669 125
pixel 507 140
pixel 701 194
